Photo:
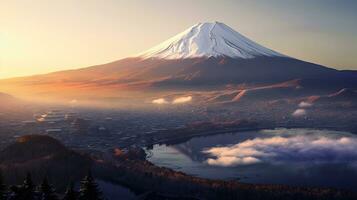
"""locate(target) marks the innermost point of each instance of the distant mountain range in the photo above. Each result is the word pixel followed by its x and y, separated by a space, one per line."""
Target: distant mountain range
pixel 205 57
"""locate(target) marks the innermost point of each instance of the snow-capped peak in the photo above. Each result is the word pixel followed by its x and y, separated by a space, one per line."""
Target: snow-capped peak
pixel 206 40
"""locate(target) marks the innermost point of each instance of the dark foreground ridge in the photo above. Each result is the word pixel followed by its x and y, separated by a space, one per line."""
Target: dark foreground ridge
pixel 45 157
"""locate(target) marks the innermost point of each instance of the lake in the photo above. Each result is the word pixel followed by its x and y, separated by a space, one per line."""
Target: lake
pixel 302 157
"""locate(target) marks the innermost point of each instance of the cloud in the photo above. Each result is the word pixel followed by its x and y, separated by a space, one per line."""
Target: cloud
pixel 181 100
pixel 178 100
pixel 232 161
pixel 304 104
pixel 299 112
pixel 159 101
pixel 309 148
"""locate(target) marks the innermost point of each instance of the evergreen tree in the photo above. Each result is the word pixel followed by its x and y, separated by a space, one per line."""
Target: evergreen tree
pixel 89 189
pixel 26 191
pixel 28 188
pixel 47 191
pixel 3 189
pixel 70 194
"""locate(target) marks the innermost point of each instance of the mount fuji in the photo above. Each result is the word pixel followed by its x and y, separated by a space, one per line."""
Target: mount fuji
pixel 205 57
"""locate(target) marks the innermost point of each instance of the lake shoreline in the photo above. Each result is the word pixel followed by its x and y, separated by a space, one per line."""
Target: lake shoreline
pixel 201 133
pixel 185 154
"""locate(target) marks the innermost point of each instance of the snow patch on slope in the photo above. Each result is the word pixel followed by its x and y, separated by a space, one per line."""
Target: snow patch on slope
pixel 208 40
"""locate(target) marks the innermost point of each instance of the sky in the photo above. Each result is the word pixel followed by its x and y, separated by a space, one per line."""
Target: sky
pixel 41 36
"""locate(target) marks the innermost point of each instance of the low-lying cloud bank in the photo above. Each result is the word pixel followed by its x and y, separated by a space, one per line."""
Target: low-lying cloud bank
pixel 299 113
pixel 305 104
pixel 277 149
pixel 159 101
pixel 182 100
pixel 178 100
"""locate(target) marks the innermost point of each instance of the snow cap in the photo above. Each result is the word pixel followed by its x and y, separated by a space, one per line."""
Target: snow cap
pixel 210 39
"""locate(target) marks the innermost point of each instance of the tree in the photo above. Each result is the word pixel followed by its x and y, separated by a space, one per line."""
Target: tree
pixel 3 189
pixel 89 189
pixel 26 191
pixel 47 191
pixel 28 188
pixel 70 194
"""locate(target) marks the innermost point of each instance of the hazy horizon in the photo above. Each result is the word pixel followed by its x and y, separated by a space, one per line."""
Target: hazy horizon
pixel 39 36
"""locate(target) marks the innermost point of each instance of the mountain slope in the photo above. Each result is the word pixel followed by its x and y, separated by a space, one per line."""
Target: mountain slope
pixel 204 57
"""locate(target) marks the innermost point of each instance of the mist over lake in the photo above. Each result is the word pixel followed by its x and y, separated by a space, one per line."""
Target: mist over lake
pixel 303 157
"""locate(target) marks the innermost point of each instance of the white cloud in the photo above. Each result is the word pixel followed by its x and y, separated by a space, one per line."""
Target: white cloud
pixel 295 148
pixel 299 112
pixel 305 104
pixel 180 100
pixel 159 101
pixel 232 161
